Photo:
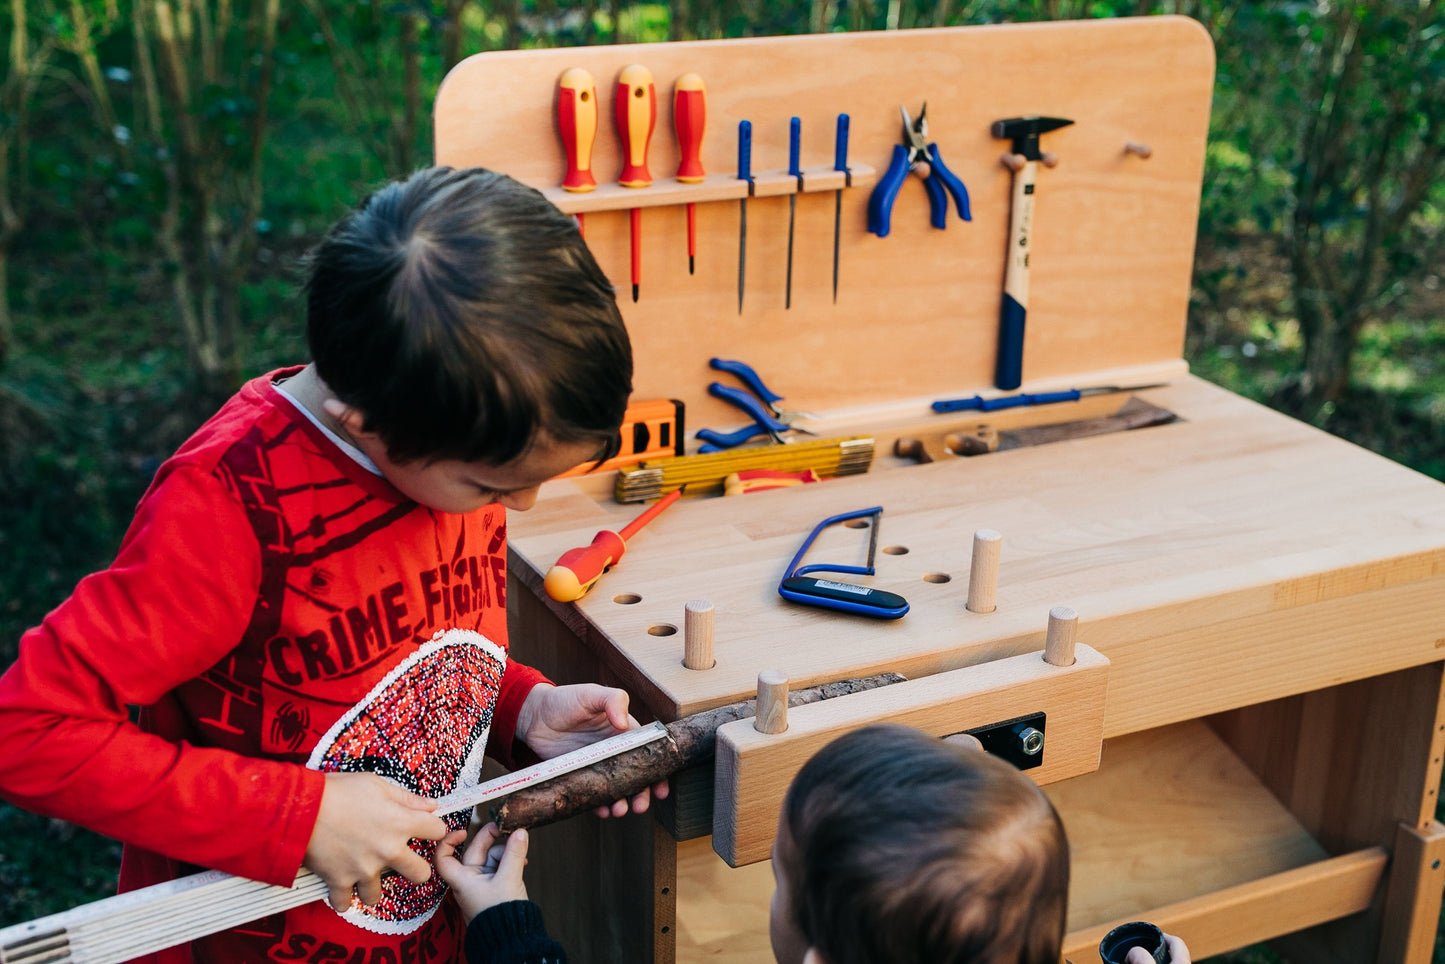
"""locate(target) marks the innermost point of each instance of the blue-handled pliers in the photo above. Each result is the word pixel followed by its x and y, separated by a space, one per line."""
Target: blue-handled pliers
pixel 761 405
pixel 916 154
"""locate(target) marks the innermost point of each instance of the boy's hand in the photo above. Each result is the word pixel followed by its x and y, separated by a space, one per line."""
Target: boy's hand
pixel 1178 953
pixel 487 873
pixel 557 719
pixel 362 829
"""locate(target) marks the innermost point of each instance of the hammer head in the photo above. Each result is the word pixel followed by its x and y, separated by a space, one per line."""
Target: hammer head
pixel 1025 131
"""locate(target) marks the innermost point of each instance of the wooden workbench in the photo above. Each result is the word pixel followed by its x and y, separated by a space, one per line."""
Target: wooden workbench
pixel 1250 743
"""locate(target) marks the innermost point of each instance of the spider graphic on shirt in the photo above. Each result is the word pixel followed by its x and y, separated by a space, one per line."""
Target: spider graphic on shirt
pixel 291 725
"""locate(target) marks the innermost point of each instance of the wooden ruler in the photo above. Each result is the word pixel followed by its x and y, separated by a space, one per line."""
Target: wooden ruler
pixel 153 918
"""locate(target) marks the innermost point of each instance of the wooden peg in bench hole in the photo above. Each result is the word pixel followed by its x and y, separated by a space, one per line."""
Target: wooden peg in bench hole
pixel 1014 162
pixel 772 708
pixel 1139 150
pixel 1059 643
pixel 983 573
pixel 697 635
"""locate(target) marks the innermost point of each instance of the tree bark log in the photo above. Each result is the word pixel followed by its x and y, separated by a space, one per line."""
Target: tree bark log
pixel 689 741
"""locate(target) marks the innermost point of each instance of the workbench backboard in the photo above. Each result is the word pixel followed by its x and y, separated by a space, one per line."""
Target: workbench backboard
pixel 917 312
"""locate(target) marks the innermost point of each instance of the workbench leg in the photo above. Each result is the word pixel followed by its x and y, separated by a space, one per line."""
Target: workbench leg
pixel 664 895
pixel 1412 897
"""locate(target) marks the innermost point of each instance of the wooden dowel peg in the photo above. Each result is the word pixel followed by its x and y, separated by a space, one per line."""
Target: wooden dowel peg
pixel 1059 643
pixel 697 634
pixel 1138 150
pixel 1014 162
pixel 983 573
pixel 1049 159
pixel 772 707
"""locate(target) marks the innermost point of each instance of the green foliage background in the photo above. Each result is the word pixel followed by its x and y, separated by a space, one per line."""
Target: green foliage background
pixel 98 384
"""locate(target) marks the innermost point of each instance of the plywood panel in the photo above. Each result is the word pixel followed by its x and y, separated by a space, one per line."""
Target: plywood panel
pixel 917 311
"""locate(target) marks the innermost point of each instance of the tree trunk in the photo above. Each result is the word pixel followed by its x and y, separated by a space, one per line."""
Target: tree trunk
pixel 689 741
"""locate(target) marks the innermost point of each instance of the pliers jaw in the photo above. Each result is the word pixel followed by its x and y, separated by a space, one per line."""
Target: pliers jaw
pixel 915 154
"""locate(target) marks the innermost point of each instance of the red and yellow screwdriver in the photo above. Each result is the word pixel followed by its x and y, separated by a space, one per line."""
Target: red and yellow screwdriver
pixel 576 571
pixel 689 117
pixel 636 111
pixel 577 126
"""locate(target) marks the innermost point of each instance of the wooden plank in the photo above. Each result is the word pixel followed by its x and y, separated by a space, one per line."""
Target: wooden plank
pixel 1106 295
pixel 1257 910
pixel 754 769
pixel 1412 910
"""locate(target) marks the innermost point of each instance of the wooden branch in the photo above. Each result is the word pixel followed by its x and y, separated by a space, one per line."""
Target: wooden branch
pixel 689 741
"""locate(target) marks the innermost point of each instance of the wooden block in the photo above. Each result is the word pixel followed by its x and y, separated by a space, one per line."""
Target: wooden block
pixel 754 769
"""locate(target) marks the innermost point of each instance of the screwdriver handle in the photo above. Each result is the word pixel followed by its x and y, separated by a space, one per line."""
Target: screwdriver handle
pixel 635 109
pixel 840 145
pixel 577 125
pixel 575 572
pixel 795 146
pixel 689 117
pixel 745 150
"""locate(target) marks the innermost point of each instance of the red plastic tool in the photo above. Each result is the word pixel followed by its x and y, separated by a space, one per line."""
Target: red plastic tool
pixel 577 126
pixel 636 112
pixel 578 569
pixel 689 117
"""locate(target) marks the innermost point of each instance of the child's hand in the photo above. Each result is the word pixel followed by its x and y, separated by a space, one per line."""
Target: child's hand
pixel 1178 953
pixel 362 829
pixel 487 873
pixel 557 719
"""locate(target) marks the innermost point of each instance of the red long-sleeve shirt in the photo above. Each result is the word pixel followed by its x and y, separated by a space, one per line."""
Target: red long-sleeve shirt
pixel 277 611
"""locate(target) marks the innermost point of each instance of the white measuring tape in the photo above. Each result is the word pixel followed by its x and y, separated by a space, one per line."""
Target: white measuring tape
pixel 153 918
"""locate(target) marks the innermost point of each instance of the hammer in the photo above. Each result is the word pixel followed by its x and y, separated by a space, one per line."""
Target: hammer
pixel 1024 132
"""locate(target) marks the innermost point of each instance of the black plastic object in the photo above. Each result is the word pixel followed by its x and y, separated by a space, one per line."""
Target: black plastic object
pixel 1118 942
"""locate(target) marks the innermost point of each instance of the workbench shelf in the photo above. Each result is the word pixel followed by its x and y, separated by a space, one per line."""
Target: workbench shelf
pixel 715 187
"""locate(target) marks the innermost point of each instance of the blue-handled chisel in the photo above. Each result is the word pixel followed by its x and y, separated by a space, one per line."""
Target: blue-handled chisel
pixel 795 145
pixel 840 163
pixel 981 404
pixel 745 173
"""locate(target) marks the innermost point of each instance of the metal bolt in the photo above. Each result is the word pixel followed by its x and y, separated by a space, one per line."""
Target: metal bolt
pixel 1031 741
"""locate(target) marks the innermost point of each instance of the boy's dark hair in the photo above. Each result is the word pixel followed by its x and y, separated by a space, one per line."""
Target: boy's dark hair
pixel 906 848
pixel 461 313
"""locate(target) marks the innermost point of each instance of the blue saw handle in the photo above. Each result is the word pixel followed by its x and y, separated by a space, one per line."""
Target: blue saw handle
pixel 795 146
pixel 1009 372
pixel 880 202
pixel 1044 398
pixel 958 404
pixel 717 441
pixel 745 150
pixel 747 376
pixel 747 403
pixel 942 178
pixel 840 145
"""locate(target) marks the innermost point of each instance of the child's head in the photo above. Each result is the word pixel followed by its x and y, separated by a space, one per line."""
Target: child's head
pixel 897 847
pixel 462 316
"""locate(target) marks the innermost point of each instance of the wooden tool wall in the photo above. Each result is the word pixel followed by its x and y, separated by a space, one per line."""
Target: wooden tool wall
pixel 917 311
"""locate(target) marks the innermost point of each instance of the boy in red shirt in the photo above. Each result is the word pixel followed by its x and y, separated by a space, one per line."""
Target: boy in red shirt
pixel 309 606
